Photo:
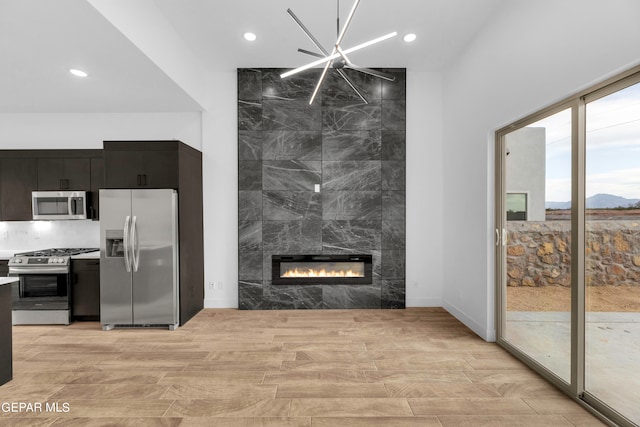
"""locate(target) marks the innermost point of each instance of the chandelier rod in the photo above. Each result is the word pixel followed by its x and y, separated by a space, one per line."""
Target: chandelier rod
pixel 337 55
pixel 307 32
pixel 337 52
pixel 335 49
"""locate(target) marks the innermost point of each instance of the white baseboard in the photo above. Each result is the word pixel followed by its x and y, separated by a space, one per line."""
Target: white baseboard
pixel 481 331
pixel 219 303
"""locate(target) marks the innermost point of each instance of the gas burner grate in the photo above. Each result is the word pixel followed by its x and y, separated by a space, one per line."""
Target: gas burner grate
pixel 57 252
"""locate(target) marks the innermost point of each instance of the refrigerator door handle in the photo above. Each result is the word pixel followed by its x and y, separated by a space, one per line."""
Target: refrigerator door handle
pixel 135 248
pixel 127 255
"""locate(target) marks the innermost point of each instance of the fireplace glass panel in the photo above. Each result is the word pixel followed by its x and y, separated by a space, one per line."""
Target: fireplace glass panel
pixel 322 269
pixel 347 269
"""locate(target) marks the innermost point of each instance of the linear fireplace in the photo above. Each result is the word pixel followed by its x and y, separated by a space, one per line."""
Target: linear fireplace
pixel 321 269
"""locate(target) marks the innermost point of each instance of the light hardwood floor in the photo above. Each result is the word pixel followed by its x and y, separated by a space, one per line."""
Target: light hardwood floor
pixel 414 367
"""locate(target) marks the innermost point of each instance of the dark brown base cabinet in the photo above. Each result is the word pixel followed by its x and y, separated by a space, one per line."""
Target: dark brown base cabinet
pixel 167 164
pixel 85 289
pixel 6 342
pixel 4 268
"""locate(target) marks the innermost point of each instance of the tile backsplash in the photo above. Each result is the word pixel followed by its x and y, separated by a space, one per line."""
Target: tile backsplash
pixel 33 235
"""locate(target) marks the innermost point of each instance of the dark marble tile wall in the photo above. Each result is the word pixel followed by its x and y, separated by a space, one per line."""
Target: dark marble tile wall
pixel 354 151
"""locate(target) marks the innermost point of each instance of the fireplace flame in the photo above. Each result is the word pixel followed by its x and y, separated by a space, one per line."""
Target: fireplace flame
pixel 312 272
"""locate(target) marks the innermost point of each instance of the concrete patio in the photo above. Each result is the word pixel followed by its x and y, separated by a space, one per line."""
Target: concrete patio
pixel 612 352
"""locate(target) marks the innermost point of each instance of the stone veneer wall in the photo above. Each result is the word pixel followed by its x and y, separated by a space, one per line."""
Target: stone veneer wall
pixel 355 151
pixel 539 253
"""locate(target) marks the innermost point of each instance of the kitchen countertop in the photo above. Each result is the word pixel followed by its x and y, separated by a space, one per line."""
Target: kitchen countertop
pixel 6 254
pixel 8 280
pixel 88 255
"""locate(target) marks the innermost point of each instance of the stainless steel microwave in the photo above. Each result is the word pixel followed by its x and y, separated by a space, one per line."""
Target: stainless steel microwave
pixel 53 205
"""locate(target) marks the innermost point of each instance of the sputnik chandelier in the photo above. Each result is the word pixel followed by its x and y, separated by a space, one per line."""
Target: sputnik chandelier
pixel 337 59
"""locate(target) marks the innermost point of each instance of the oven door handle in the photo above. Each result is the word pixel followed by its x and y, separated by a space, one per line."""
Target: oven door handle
pixel 127 255
pixel 16 271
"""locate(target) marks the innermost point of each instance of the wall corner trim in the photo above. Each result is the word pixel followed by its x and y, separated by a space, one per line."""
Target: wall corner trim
pixel 482 332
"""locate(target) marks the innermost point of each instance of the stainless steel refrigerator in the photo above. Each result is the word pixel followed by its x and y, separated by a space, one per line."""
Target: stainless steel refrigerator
pixel 139 265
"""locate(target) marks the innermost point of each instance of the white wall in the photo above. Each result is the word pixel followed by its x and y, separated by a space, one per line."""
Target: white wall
pixel 220 167
pixel 424 269
pixel 531 55
pixel 57 131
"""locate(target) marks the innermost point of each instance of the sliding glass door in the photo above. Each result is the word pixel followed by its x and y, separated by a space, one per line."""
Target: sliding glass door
pixel 612 261
pixel 568 245
pixel 537 168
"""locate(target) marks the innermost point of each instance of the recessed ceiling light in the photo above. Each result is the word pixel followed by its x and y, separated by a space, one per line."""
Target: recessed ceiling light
pixel 249 36
pixel 78 73
pixel 410 37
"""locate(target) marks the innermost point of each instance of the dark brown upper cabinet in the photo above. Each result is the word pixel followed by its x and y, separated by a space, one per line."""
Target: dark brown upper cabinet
pixel 18 178
pixel 25 171
pixel 149 164
pixel 64 174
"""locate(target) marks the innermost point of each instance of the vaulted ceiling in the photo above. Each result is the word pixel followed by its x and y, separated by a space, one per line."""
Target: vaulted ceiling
pixel 152 55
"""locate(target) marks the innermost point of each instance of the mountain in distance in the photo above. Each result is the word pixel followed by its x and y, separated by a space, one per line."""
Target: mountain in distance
pixel 597 201
pixel 557 205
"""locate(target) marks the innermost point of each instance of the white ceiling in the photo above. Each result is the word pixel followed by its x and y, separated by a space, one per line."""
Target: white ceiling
pixel 41 39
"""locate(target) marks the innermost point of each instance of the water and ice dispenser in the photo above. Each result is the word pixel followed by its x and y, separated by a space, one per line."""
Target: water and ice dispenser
pixel 114 244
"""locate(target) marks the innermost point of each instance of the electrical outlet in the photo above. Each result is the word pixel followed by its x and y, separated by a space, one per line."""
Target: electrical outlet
pixel 219 286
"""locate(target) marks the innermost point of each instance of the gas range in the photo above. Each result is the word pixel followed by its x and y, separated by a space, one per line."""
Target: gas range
pixel 47 257
pixel 42 295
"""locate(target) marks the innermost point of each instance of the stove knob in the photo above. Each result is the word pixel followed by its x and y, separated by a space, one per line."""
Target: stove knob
pixel 18 260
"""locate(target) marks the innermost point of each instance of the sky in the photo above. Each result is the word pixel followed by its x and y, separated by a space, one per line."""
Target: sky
pixel 613 148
